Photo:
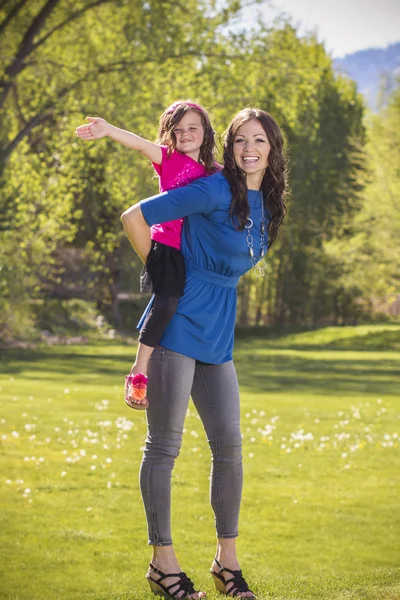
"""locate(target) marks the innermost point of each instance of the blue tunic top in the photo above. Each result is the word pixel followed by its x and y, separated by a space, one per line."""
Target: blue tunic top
pixel 216 255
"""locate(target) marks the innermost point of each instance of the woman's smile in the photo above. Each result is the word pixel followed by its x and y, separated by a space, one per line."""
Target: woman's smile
pixel 250 159
pixel 251 149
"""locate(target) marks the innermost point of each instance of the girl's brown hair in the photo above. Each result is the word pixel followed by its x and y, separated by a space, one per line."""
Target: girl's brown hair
pixel 171 117
pixel 273 183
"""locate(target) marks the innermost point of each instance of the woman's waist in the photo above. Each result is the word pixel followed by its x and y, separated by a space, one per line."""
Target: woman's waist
pixel 211 277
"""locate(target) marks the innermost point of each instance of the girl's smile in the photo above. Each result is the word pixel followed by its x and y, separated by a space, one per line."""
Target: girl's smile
pixel 189 134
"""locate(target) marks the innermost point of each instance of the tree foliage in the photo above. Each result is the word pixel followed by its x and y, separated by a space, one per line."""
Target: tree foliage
pixel 370 259
pixel 125 60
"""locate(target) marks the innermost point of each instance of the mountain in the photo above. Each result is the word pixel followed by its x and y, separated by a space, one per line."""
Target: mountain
pixel 373 69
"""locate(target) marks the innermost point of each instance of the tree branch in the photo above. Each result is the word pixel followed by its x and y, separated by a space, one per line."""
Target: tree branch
pixel 2 4
pixel 72 17
pixel 14 11
pixel 36 120
pixel 25 48
pixel 46 111
pixel 17 104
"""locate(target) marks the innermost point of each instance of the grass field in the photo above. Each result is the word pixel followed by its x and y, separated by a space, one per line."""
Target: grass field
pixel 320 515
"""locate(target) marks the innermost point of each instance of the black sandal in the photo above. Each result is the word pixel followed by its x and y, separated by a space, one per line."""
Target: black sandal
pixel 184 584
pixel 238 582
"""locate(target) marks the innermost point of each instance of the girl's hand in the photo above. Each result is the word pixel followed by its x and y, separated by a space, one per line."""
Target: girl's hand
pixel 99 128
pixel 96 129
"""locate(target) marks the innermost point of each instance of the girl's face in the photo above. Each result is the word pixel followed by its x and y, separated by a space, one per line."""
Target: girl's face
pixel 251 149
pixel 189 134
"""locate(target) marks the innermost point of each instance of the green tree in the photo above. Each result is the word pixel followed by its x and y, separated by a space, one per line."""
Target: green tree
pixel 370 258
pixel 321 115
pixel 60 61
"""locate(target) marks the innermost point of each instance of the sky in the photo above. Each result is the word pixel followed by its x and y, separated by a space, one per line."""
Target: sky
pixel 344 25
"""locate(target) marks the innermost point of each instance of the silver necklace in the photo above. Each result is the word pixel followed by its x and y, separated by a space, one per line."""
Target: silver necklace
pixel 257 262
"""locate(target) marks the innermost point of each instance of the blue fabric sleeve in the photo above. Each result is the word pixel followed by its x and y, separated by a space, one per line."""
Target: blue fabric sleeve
pixel 199 197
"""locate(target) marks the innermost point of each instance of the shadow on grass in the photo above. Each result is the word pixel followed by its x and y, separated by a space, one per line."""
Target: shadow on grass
pixel 262 365
pixel 374 341
pixel 258 371
pixel 66 362
pixel 329 338
pixel 318 376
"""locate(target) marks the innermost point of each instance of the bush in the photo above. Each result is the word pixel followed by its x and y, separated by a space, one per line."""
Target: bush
pixel 74 315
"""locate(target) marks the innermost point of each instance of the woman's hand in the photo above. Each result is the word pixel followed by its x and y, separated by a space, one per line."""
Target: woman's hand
pixel 97 128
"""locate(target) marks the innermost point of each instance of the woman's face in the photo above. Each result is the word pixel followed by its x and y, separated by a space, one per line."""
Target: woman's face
pixel 189 134
pixel 251 149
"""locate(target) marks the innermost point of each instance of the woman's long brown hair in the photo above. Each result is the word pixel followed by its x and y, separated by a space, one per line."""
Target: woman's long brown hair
pixel 274 180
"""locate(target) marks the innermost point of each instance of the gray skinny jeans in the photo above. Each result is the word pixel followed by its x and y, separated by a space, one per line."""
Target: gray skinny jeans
pixel 173 377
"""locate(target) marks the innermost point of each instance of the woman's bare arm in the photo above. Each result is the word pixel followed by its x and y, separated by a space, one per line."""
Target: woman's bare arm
pixel 137 230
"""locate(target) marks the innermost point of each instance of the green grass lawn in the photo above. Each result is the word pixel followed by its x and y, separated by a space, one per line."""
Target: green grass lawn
pixel 320 515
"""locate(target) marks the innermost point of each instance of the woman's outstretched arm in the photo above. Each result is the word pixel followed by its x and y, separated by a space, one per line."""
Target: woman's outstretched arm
pixel 137 230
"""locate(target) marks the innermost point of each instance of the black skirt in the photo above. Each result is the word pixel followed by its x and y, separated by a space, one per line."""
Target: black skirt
pixel 164 272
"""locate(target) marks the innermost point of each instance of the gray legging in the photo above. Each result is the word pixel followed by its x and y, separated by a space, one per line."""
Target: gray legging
pixel 214 389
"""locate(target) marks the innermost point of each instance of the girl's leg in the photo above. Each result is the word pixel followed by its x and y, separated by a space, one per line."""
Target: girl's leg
pixel 162 311
pixel 170 382
pixel 215 394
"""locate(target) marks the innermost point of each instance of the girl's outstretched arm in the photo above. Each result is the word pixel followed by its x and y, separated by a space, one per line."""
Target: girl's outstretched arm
pixel 99 128
pixel 137 230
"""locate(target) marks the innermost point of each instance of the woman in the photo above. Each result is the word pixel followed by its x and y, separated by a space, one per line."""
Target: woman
pixel 232 217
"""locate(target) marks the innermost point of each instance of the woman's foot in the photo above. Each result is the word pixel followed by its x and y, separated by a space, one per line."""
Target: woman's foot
pixel 171 582
pixel 229 580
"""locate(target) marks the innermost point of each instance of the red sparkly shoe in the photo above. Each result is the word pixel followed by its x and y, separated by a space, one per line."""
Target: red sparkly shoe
pixel 136 389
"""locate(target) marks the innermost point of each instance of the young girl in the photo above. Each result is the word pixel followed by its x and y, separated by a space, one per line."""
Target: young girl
pixel 184 152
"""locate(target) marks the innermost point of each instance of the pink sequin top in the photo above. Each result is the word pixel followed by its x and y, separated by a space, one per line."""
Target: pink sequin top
pixel 175 171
